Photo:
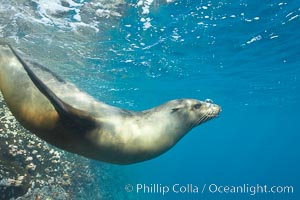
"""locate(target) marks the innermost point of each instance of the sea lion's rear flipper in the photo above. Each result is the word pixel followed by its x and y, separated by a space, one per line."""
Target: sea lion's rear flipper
pixel 72 117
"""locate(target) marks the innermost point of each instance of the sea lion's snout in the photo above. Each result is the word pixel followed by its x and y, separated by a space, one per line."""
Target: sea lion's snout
pixel 212 110
pixel 216 109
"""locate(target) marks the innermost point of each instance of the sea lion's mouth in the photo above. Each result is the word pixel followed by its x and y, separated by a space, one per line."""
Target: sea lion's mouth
pixel 212 111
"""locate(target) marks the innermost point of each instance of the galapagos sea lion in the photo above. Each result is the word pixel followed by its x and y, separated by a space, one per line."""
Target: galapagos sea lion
pixel 59 113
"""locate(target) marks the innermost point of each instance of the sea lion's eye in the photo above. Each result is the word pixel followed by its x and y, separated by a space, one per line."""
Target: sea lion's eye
pixel 197 106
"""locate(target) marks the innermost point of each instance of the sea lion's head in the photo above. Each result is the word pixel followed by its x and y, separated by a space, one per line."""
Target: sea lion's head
pixel 193 111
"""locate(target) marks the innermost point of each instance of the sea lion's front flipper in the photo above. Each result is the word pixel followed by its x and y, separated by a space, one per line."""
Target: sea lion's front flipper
pixel 72 117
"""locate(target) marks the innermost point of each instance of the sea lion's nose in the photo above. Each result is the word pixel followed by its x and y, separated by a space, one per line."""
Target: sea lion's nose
pixel 208 101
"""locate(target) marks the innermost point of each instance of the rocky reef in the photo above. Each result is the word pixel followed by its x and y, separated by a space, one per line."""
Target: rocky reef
pixel 32 169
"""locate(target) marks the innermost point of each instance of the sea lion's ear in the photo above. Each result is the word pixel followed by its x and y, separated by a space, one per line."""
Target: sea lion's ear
pixel 176 108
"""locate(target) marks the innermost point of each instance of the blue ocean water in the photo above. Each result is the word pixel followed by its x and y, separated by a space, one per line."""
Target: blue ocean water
pixel 244 55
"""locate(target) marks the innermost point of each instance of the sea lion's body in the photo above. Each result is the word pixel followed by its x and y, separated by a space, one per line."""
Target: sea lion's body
pixel 64 116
